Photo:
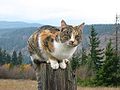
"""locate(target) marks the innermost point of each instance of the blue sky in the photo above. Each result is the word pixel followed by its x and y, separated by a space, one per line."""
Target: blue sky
pixel 52 11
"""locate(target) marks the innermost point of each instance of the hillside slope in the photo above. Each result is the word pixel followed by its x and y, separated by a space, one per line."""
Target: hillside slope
pixel 16 38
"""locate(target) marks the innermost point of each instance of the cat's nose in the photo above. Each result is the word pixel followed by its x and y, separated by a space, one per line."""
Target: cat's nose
pixel 71 42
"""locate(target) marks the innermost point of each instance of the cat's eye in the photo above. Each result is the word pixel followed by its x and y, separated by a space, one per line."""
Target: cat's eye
pixel 66 37
pixel 77 36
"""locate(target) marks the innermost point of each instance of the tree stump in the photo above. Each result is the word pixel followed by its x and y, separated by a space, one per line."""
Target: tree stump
pixel 60 79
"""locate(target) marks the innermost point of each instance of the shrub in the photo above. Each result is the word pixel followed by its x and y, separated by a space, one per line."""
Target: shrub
pixel 24 71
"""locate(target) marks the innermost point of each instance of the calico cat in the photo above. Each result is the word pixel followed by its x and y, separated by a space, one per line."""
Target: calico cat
pixel 55 45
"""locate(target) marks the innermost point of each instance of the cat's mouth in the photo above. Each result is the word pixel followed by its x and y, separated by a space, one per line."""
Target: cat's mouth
pixel 72 44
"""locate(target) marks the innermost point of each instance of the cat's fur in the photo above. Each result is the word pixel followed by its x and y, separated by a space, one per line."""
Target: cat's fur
pixel 55 45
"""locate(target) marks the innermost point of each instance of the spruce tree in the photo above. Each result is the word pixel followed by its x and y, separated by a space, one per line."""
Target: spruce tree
pixel 118 70
pixel 107 75
pixel 8 58
pixel 84 57
pixel 96 54
pixel 1 57
pixel 4 56
pixel 20 58
pixel 75 62
pixel 14 58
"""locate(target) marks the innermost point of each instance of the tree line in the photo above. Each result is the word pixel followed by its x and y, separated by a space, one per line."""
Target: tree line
pixel 103 66
pixel 14 59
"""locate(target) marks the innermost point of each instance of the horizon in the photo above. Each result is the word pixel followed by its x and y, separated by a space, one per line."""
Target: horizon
pixel 28 22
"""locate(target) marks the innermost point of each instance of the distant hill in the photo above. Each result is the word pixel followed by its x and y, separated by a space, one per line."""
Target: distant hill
pixel 17 24
pixel 16 38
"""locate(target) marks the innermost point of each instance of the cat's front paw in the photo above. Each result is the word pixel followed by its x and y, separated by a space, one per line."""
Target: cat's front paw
pixel 54 64
pixel 63 64
pixel 67 61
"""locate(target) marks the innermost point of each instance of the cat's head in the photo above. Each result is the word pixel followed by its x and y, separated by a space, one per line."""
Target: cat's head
pixel 71 35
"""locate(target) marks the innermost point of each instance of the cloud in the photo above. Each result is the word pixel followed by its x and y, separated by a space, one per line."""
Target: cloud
pixel 91 11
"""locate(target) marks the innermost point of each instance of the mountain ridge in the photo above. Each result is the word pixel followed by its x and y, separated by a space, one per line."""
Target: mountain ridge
pixel 17 24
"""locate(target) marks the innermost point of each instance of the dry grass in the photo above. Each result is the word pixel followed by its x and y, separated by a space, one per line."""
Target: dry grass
pixel 8 84
pixel 97 88
pixel 25 71
pixel 17 84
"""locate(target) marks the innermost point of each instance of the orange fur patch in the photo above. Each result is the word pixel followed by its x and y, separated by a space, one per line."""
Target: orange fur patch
pixel 52 35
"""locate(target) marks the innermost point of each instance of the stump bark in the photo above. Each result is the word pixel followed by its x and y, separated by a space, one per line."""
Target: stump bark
pixel 60 79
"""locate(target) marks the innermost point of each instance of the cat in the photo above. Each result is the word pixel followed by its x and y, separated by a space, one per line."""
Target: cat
pixel 54 45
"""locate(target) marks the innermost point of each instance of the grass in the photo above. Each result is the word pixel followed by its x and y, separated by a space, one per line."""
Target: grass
pixel 98 88
pixel 8 84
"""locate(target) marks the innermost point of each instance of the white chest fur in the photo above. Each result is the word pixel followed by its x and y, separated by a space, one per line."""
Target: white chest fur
pixel 62 51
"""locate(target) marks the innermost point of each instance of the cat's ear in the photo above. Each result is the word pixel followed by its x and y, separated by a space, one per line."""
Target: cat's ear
pixel 63 24
pixel 81 26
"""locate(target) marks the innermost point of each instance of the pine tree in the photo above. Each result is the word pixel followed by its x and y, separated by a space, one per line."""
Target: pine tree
pixel 14 58
pixel 20 58
pixel 75 62
pixel 118 70
pixel 96 54
pixel 1 58
pixel 84 57
pixel 107 75
pixel 8 58
pixel 4 56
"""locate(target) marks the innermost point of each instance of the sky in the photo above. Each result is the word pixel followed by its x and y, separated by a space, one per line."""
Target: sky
pixel 53 11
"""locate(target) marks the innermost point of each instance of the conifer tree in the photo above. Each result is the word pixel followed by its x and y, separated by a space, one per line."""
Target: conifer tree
pixel 107 75
pixel 20 58
pixel 14 58
pixel 75 62
pixel 4 56
pixel 84 57
pixel 8 58
pixel 1 58
pixel 96 54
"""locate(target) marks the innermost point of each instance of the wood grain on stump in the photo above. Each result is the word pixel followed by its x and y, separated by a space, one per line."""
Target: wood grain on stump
pixel 60 79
